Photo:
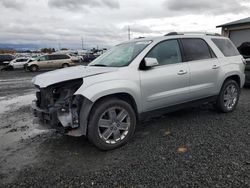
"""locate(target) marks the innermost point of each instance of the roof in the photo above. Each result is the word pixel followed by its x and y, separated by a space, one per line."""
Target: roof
pixel 238 22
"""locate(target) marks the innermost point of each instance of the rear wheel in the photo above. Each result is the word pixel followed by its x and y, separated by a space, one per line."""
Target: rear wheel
pixel 112 124
pixel 229 96
pixel 65 65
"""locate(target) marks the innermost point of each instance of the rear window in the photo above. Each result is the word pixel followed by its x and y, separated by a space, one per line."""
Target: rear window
pixel 196 49
pixel 226 47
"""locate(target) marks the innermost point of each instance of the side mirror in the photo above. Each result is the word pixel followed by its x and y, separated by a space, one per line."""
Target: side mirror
pixel 151 62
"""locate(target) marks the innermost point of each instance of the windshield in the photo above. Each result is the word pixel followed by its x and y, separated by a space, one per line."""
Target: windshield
pixel 121 55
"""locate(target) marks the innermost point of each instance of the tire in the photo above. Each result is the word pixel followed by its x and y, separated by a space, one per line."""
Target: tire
pixel 65 65
pixel 229 97
pixel 118 127
pixel 34 68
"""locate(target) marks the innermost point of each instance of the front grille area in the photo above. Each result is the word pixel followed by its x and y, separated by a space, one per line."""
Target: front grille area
pixel 44 99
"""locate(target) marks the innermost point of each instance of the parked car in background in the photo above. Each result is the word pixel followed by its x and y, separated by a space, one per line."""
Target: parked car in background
pixel 244 50
pixel 17 63
pixel 89 58
pixel 140 79
pixel 76 58
pixel 6 58
pixel 247 72
pixel 53 61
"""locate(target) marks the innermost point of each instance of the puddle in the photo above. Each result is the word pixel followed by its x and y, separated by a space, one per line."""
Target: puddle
pixel 15 103
pixel 17 122
pixel 15 80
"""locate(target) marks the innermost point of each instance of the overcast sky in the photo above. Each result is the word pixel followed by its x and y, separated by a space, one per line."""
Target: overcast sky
pixel 105 22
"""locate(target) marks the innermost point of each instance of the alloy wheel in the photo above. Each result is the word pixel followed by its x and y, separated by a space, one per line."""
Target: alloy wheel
pixel 113 125
pixel 230 96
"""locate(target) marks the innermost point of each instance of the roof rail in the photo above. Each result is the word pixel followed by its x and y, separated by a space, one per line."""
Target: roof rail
pixel 172 33
pixel 192 33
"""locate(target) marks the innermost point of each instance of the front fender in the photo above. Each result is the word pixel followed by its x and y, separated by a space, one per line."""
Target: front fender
pixel 102 89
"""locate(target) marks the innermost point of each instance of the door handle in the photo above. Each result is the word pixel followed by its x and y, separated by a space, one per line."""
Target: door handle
pixel 216 66
pixel 182 72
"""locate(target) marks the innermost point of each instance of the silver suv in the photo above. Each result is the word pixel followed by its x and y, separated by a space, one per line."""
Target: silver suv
pixel 140 79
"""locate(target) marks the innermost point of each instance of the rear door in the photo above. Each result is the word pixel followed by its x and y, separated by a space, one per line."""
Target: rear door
pixel 60 60
pixel 64 59
pixel 204 67
pixel 167 84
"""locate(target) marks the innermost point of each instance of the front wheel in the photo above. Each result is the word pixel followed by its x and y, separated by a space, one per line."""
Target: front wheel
pixel 34 68
pixel 112 124
pixel 229 97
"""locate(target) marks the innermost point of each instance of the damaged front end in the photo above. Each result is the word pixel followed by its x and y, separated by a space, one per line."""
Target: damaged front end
pixel 57 106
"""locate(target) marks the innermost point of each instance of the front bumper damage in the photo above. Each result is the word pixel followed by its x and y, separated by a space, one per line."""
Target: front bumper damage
pixel 62 110
pixel 66 121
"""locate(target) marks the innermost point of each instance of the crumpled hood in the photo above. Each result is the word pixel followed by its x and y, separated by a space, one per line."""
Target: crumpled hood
pixel 66 74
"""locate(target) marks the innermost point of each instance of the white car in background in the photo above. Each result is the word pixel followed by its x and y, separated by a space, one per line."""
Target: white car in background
pixel 18 63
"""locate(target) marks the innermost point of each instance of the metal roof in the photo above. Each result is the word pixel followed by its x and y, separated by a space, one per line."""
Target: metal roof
pixel 238 22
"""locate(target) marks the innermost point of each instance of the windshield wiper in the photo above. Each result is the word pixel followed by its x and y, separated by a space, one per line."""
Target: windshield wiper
pixel 99 65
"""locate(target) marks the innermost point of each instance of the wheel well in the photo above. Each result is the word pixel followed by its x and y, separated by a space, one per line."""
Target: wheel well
pixel 236 78
pixel 122 96
pixel 34 65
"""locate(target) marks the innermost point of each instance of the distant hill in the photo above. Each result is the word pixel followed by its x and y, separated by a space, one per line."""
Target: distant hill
pixel 19 46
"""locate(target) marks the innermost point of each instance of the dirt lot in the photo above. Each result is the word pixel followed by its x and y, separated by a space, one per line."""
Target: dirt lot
pixel 195 147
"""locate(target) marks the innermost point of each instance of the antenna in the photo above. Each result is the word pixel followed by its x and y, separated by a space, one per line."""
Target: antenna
pixel 82 44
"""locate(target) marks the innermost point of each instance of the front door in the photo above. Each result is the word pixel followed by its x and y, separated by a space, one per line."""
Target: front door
pixel 166 84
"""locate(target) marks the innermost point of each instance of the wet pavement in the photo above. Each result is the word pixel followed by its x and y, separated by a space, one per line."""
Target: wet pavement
pixel 196 147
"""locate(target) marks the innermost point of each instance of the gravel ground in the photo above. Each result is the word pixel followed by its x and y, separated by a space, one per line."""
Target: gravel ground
pixel 196 147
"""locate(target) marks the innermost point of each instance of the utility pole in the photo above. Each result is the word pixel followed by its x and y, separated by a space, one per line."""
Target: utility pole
pixel 59 46
pixel 129 34
pixel 82 44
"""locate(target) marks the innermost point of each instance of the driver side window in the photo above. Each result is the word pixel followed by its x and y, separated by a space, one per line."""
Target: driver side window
pixel 167 52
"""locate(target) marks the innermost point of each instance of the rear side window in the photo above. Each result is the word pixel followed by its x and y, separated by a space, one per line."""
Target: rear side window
pixel 196 49
pixel 65 57
pixel 52 57
pixel 58 57
pixel 226 47
pixel 167 52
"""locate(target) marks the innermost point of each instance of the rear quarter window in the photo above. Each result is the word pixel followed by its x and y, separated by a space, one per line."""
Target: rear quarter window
pixel 65 57
pixel 226 47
